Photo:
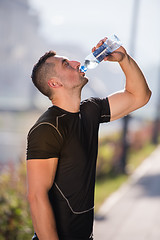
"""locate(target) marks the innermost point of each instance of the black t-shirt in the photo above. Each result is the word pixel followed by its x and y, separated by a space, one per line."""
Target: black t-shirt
pixel 73 139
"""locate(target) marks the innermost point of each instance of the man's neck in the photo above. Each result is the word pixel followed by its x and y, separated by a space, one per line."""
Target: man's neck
pixel 69 103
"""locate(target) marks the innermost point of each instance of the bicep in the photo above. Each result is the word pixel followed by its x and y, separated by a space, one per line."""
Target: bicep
pixel 40 174
pixel 121 104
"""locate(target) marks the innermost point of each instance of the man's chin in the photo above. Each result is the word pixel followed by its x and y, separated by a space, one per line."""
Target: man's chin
pixel 85 81
pixel 85 78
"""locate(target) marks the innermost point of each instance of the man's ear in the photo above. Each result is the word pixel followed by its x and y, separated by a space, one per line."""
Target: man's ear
pixel 54 83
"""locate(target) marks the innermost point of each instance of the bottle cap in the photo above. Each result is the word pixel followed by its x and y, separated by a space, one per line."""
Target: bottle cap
pixel 83 69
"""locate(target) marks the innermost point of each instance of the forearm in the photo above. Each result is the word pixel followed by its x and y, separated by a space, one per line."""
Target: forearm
pixel 43 218
pixel 135 81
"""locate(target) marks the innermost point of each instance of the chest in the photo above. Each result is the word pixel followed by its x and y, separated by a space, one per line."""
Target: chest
pixel 80 144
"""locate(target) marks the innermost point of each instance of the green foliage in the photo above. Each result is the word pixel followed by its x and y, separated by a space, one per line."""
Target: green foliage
pixel 105 156
pixel 15 221
pixel 135 156
pixel 107 185
pixel 108 154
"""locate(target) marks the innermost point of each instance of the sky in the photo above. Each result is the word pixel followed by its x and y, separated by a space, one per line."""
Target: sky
pixel 85 22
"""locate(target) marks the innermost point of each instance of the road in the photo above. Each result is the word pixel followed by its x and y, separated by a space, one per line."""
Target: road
pixel 133 212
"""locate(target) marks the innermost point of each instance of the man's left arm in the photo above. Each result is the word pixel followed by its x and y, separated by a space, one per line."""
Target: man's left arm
pixel 136 93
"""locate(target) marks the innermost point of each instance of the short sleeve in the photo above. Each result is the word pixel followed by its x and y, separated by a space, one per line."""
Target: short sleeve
pixel 44 142
pixel 104 109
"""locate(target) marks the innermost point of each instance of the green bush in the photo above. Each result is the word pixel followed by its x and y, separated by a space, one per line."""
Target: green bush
pixel 15 221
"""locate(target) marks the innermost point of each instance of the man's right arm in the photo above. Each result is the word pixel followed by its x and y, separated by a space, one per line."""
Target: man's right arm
pixel 40 177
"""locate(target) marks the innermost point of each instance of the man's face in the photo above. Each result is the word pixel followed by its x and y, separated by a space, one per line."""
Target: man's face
pixel 68 72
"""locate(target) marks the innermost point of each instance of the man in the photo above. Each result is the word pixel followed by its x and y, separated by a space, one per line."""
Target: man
pixel 62 145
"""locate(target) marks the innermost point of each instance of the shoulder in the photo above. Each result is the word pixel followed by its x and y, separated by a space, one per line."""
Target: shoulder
pixel 44 129
pixel 94 102
pixel 97 107
pixel 47 124
pixel 89 102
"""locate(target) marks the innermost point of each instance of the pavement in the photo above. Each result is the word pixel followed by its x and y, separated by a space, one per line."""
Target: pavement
pixel 133 212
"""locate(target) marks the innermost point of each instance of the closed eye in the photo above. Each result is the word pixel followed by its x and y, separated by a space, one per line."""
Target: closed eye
pixel 65 62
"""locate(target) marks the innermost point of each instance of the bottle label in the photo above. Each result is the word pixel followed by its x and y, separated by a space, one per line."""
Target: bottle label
pixel 103 51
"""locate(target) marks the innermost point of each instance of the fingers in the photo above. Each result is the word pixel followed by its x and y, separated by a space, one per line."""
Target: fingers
pixel 116 56
pixel 93 49
pixel 99 44
pixel 106 58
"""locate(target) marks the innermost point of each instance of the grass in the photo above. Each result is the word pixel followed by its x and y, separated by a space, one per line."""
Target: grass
pixel 136 157
pixel 106 186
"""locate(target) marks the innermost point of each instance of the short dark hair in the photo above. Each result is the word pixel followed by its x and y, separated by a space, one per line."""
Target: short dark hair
pixel 41 72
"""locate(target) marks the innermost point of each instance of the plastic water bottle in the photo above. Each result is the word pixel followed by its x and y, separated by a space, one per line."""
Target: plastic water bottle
pixel 93 59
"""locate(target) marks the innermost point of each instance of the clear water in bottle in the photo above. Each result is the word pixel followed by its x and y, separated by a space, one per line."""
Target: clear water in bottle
pixel 93 59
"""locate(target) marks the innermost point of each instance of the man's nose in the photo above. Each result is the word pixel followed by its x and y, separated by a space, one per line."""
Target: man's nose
pixel 75 64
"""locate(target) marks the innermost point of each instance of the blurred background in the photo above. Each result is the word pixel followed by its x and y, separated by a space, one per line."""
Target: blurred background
pixel 28 29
